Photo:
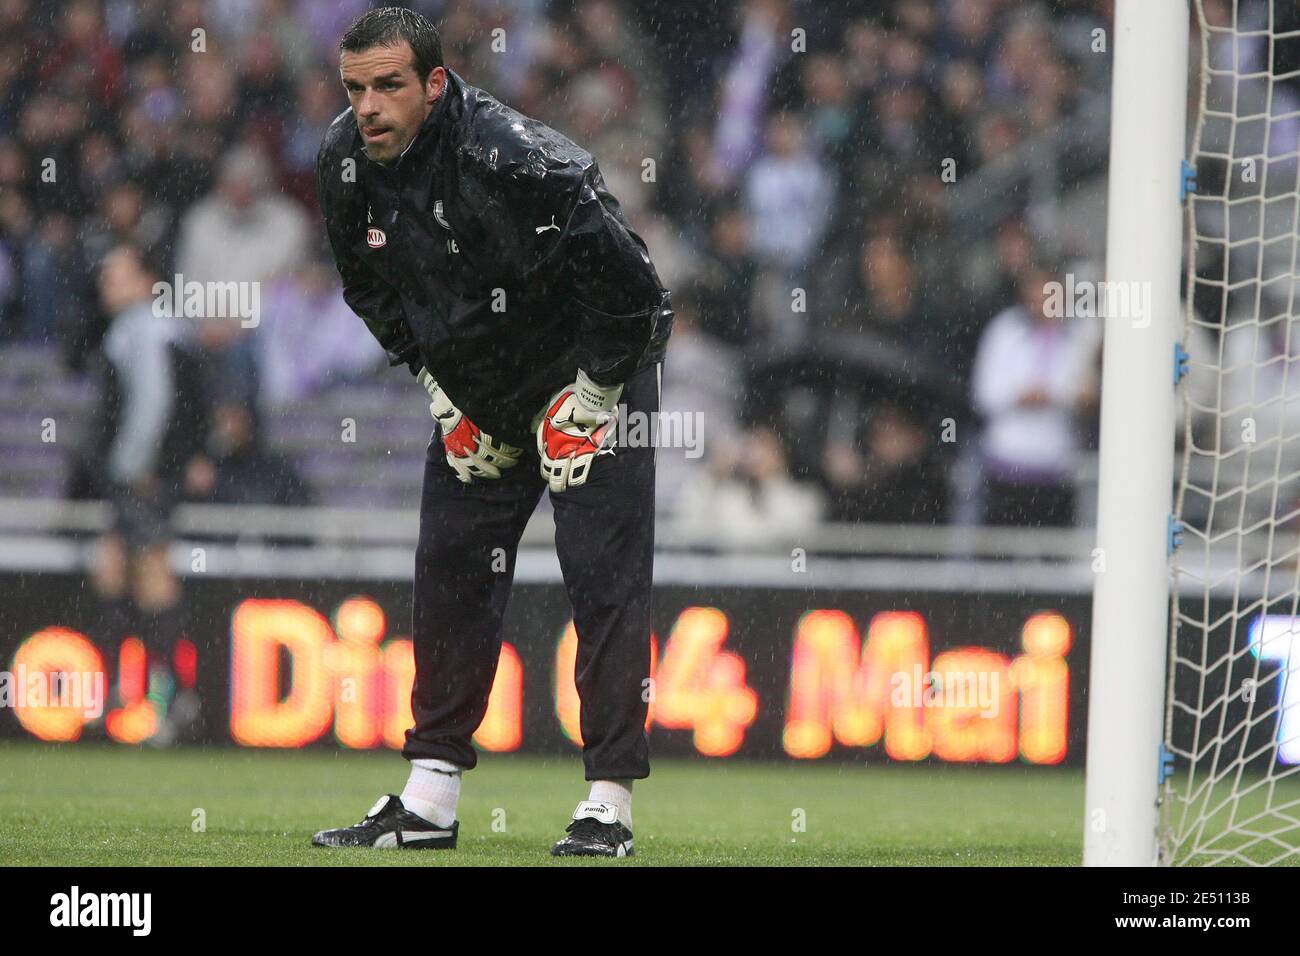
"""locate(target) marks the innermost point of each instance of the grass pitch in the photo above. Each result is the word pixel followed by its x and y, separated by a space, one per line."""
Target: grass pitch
pixel 100 805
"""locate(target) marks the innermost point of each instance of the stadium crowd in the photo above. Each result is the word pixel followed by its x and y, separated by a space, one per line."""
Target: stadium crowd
pixel 856 205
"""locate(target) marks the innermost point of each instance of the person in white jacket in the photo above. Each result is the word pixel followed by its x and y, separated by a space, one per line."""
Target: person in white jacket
pixel 1034 372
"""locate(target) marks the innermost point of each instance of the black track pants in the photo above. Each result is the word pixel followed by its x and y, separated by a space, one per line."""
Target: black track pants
pixel 604 538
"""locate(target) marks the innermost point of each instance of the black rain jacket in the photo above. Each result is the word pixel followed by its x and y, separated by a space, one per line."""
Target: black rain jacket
pixel 492 253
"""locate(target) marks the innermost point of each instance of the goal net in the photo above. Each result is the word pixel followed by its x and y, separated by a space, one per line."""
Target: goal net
pixel 1230 792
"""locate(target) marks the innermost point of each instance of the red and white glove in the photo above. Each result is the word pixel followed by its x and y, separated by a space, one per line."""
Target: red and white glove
pixel 470 452
pixel 576 425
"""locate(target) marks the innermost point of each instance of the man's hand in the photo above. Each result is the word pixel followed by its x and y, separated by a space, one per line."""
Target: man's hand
pixel 470 452
pixel 576 425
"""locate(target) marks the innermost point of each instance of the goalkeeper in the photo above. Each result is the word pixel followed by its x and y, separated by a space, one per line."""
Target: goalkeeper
pixel 484 252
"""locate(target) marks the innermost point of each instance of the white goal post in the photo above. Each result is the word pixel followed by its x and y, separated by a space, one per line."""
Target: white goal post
pixel 1131 595
pixel 1194 721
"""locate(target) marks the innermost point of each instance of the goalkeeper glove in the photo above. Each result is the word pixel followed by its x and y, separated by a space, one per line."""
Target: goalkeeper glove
pixel 576 425
pixel 472 453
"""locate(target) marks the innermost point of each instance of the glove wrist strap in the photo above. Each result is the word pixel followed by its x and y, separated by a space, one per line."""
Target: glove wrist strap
pixel 600 397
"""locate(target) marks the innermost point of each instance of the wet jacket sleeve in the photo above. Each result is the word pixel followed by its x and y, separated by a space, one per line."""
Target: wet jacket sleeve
pixel 605 266
pixel 377 303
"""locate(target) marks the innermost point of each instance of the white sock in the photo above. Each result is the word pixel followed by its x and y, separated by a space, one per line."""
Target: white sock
pixel 617 792
pixel 433 790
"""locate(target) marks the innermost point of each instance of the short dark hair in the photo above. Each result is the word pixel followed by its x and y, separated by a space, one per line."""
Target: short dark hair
pixel 388 26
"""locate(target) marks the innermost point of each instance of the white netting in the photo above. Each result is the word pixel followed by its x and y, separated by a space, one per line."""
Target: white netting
pixel 1234 796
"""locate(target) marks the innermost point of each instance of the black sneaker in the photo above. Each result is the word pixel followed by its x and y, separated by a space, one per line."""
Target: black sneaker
pixel 388 824
pixel 595 831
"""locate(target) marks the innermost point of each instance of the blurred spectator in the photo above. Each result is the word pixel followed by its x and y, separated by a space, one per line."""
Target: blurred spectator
pixel 701 380
pixel 125 214
pixel 53 273
pixel 49 126
pixel 211 121
pixel 961 91
pixel 788 195
pixel 154 417
pixel 1033 376
pixel 303 306
pixel 242 231
pixel 82 55
pixel 152 423
pixel 98 164
pixel 1019 68
pixel 884 297
pixel 693 190
pixel 245 234
pixel 279 21
pixel 888 470
pixel 316 106
pixel 746 497
pixel 11 62
pixel 991 270
pixel 864 41
pixel 761 47
pixel 1261 386
pixel 263 85
pixel 902 130
pixel 238 470
pixel 969 30
pixel 833 120
pixel 724 281
pixel 986 277
pixel 156 152
pixel 326 22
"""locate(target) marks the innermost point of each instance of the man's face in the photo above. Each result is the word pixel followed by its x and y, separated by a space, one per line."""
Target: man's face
pixel 387 97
